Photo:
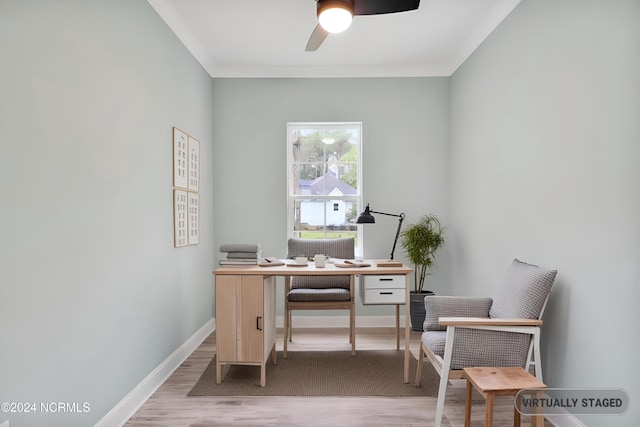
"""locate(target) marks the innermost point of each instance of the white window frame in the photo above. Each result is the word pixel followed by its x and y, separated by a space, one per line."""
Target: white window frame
pixel 292 198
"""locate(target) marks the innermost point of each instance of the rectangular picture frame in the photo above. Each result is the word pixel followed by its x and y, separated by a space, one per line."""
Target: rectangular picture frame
pixel 193 205
pixel 194 164
pixel 180 218
pixel 180 159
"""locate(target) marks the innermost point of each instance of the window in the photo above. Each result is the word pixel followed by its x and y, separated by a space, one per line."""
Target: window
pixel 324 179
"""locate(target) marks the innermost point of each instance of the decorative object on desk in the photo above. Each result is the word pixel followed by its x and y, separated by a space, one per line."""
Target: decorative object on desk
pixel 351 264
pixel 421 241
pixel 241 254
pixel 366 218
pixel 319 260
pixel 322 373
pixel 270 261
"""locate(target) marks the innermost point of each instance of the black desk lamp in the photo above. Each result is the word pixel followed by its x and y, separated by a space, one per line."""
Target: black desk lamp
pixel 366 218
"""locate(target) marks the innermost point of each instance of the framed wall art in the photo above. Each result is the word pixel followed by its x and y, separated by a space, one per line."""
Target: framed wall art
pixel 180 218
pixel 194 164
pixel 186 187
pixel 193 206
pixel 180 158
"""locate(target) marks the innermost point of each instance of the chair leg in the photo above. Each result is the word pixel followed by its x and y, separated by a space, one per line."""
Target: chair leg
pixel 419 368
pixel 444 375
pixel 536 355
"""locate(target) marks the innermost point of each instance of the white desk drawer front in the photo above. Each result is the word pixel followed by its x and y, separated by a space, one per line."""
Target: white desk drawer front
pixel 384 296
pixel 383 289
pixel 384 281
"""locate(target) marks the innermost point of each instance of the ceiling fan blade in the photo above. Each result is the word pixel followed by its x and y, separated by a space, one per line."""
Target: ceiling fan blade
pixel 316 39
pixel 378 7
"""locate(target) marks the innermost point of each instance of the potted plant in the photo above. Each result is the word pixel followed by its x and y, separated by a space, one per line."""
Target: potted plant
pixel 421 241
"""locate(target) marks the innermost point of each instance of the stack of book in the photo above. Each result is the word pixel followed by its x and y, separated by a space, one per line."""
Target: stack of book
pixel 239 254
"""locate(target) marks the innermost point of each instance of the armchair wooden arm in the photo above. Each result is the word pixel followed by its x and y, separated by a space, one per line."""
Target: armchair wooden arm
pixel 486 321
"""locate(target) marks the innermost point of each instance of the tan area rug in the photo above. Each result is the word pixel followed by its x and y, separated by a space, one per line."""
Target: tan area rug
pixel 330 373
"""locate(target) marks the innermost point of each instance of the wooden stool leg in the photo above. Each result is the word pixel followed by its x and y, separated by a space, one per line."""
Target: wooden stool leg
pixel 467 405
pixel 537 420
pixel 516 417
pixel 488 416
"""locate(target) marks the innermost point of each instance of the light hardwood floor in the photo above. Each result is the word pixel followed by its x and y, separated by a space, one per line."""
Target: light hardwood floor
pixel 169 406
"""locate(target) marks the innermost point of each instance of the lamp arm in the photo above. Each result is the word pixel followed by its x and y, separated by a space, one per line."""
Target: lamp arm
pixel 388 214
pixel 368 211
pixel 395 241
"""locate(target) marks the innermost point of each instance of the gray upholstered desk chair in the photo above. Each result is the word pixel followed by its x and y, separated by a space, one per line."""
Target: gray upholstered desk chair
pixel 320 292
pixel 463 332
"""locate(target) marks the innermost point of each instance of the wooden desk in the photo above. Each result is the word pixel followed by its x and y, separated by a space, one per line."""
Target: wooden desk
pixel 491 382
pixel 245 310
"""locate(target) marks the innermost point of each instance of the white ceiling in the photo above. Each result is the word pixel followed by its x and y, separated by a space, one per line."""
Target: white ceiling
pixel 267 38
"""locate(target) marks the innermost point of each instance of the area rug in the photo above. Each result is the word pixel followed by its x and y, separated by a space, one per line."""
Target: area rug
pixel 329 373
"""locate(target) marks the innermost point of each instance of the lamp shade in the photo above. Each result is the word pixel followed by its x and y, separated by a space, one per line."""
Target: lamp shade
pixel 335 16
pixel 365 217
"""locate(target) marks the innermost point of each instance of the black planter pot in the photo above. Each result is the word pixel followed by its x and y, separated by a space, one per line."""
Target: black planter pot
pixel 417 310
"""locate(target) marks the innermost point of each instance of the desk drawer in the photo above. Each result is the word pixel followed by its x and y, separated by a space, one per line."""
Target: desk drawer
pixel 383 281
pixel 383 289
pixel 383 296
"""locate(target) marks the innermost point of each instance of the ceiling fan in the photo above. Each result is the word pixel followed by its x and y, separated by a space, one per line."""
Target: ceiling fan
pixel 335 16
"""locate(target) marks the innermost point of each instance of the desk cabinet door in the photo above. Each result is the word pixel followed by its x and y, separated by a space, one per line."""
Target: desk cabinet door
pixel 239 318
pixel 251 320
pixel 226 317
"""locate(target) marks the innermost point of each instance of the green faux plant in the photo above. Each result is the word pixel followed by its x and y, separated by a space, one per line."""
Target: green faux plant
pixel 421 241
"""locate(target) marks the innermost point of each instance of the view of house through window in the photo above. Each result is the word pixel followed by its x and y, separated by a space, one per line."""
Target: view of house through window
pixel 324 180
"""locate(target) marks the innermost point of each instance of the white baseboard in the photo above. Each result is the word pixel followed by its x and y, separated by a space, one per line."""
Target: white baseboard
pixel 564 421
pixel 142 392
pixel 341 321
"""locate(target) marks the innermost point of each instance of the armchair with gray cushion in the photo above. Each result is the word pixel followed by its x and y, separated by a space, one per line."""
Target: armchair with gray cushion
pixel 327 292
pixel 502 331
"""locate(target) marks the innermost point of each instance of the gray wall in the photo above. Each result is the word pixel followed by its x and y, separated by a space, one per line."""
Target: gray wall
pixel 405 155
pixel 545 167
pixel 93 296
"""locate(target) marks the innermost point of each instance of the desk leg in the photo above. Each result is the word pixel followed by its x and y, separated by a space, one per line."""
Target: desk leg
pixel 407 330
pixel 397 326
pixel 274 354
pixel 287 287
pixel 352 317
pixel 218 371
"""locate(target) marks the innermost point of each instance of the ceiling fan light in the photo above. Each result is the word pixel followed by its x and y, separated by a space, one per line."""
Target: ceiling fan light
pixel 335 16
